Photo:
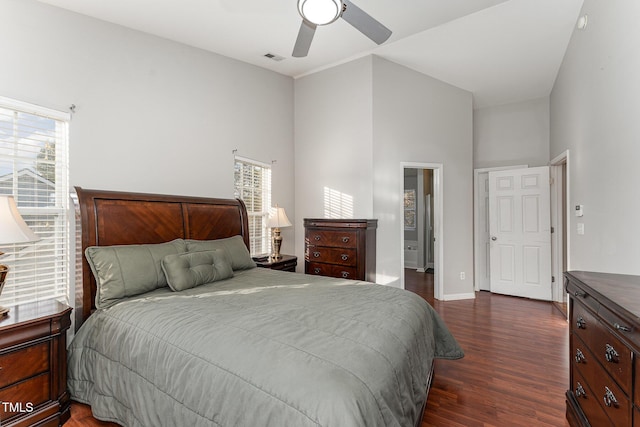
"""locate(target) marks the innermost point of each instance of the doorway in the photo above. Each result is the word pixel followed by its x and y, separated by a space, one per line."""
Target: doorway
pixel 421 216
pixel 418 219
pixel 560 209
pixel 481 226
pixel 559 212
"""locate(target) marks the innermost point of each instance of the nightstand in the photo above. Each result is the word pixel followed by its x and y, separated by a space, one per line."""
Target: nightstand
pixel 286 263
pixel 33 365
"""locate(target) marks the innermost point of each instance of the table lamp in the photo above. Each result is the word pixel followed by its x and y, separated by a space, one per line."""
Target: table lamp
pixel 277 220
pixel 13 229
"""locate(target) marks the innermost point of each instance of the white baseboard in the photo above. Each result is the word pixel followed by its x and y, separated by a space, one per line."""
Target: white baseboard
pixel 455 297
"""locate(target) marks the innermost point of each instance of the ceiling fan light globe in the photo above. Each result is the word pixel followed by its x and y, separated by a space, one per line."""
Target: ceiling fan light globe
pixel 320 12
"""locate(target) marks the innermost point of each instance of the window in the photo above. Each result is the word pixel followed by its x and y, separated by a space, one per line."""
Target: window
pixel 33 168
pixel 252 182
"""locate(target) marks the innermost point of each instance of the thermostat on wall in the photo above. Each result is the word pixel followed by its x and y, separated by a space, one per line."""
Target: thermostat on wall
pixel 579 211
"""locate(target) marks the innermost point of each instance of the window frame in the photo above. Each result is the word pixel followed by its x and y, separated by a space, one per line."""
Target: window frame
pixel 260 243
pixel 47 265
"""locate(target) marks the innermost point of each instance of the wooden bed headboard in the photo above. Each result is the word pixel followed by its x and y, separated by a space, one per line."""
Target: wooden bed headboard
pixel 121 218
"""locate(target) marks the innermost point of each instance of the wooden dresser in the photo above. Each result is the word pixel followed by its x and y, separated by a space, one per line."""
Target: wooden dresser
pixel 344 248
pixel 604 343
pixel 33 365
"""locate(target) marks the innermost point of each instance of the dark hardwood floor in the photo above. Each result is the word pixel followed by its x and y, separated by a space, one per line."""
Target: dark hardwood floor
pixel 81 417
pixel 516 366
pixel 514 373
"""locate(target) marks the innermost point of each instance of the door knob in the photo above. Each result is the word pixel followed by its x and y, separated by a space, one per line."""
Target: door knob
pixel 494 238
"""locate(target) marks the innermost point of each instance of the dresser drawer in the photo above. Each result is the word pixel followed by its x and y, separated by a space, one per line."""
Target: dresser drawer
pixel 607 349
pixel 612 399
pixel 22 364
pixel 615 357
pixel 25 333
pixel 341 256
pixel 33 392
pixel 588 401
pixel 330 270
pixel 581 295
pixel 584 323
pixel 286 266
pixel 339 238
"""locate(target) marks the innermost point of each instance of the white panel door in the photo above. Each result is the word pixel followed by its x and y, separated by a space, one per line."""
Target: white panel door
pixel 482 277
pixel 520 230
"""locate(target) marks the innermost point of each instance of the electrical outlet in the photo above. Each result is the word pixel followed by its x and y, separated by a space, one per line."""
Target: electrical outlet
pixel 462 275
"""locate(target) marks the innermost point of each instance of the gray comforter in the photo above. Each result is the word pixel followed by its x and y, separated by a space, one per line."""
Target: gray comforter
pixel 265 348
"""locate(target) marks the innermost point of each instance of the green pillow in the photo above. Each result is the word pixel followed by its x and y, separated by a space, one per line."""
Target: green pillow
pixel 235 248
pixel 128 270
pixel 191 269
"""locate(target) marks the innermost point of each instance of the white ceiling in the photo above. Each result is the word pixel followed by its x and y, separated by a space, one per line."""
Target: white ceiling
pixel 501 50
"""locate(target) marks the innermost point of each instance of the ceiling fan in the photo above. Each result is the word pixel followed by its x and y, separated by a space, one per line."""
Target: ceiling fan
pixel 324 12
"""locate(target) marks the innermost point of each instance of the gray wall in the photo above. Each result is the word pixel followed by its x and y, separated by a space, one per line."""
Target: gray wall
pixel 333 145
pixel 595 110
pixel 353 133
pixel 420 119
pixel 158 116
pixel 511 134
pixel 333 128
pixel 152 115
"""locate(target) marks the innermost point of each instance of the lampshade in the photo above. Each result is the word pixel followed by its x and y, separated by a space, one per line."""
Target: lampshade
pixel 320 12
pixel 13 229
pixel 278 218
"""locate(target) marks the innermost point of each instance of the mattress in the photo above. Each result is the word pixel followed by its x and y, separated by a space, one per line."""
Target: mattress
pixel 264 348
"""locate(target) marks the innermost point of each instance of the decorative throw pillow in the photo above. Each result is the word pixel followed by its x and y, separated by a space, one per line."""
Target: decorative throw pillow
pixel 127 270
pixel 191 269
pixel 235 248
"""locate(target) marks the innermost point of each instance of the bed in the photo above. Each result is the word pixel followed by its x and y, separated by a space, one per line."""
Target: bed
pixel 179 328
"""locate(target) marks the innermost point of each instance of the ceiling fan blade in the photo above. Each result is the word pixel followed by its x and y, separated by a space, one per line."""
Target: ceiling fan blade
pixel 305 36
pixel 364 23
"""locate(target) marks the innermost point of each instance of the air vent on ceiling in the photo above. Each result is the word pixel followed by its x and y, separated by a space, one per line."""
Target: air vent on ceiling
pixel 274 57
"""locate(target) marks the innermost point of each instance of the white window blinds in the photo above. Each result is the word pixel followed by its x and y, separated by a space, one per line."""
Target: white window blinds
pixel 34 169
pixel 252 182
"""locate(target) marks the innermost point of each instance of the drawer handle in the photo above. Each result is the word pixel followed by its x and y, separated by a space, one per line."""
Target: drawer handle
pixel 316 238
pixel 622 327
pixel 580 294
pixel 345 240
pixel 611 354
pixel 580 356
pixel 609 398
pixel 344 257
pixel 580 391
pixel 345 274
pixel 316 270
pixel 581 323
pixel 316 254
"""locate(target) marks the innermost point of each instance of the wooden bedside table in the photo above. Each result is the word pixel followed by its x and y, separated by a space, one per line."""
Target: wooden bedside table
pixel 286 263
pixel 33 365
